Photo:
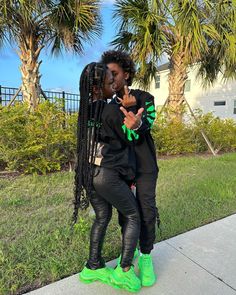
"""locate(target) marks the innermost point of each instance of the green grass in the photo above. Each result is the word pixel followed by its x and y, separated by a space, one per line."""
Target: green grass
pixel 37 246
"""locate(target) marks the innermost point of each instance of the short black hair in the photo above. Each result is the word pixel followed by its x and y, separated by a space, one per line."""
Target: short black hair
pixel 121 58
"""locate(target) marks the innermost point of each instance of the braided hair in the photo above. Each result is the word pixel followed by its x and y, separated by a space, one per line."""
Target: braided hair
pixel 89 122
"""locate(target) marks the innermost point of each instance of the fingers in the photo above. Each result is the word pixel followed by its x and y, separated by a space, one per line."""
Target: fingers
pixel 126 90
pixel 124 111
pixel 128 115
pixel 131 114
pixel 140 112
pixel 132 120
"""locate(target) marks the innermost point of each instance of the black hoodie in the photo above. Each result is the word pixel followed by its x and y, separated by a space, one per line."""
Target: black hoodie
pixel 145 152
pixel 116 143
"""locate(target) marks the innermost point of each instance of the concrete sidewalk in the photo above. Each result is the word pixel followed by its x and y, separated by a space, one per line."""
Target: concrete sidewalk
pixel 199 262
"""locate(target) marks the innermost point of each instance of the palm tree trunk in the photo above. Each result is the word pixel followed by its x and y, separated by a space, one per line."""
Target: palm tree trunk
pixel 29 53
pixel 177 78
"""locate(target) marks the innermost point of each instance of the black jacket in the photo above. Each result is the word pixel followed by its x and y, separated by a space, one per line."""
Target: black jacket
pixel 115 148
pixel 145 152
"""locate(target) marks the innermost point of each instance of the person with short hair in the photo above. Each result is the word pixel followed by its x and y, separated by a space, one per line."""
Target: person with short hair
pixel 123 70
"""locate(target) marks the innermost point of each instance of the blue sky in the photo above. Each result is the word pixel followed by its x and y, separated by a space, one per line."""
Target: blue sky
pixel 61 72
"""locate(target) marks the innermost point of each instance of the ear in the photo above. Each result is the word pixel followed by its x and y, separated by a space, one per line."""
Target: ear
pixel 126 75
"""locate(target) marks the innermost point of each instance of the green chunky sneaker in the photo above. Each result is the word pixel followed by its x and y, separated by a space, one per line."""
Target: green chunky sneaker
pixel 126 280
pixel 91 275
pixel 136 255
pixel 147 275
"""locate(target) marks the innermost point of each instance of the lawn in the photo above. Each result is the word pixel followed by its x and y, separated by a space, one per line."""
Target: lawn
pixel 38 247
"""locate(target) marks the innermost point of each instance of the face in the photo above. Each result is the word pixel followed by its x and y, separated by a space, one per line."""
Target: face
pixel 119 75
pixel 108 89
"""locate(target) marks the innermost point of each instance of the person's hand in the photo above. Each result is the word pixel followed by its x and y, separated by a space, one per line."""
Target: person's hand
pixel 131 120
pixel 128 100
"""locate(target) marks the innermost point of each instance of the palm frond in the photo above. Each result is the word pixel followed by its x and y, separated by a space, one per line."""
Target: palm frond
pixel 145 75
pixel 222 53
pixel 139 30
pixel 194 30
pixel 67 24
pixel 74 23
pixel 123 41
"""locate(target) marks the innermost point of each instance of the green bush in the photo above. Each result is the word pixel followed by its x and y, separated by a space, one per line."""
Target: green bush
pixel 45 140
pixel 220 132
pixel 173 137
pixel 37 142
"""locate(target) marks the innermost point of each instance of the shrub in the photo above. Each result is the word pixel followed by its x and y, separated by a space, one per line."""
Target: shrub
pixel 220 132
pixel 37 142
pixel 174 137
pixel 45 140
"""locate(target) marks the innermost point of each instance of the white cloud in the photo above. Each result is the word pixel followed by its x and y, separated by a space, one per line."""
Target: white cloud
pixel 108 1
pixel 56 89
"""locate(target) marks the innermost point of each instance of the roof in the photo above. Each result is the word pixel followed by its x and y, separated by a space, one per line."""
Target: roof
pixel 163 67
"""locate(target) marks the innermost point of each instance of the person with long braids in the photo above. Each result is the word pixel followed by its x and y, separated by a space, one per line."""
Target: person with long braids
pixel 105 168
pixel 123 70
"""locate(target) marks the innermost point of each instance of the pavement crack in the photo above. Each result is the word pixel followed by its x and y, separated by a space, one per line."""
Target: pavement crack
pixel 199 265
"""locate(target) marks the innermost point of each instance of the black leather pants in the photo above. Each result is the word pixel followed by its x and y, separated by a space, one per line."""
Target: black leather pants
pixel 146 198
pixel 111 190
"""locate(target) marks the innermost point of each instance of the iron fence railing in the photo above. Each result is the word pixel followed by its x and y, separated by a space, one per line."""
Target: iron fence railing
pixel 70 100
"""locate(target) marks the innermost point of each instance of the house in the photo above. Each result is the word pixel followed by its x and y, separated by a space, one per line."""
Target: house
pixel 219 99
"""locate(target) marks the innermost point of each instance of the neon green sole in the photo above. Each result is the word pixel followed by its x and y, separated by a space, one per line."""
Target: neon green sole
pixel 87 276
pixel 122 287
pixel 92 280
pixel 86 281
pixel 148 284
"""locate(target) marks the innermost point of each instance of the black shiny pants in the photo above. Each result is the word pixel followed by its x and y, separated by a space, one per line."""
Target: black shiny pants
pixel 112 191
pixel 146 199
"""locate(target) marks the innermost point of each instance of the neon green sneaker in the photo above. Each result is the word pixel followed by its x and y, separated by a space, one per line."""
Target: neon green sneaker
pixel 126 280
pixel 147 274
pixel 136 255
pixel 91 275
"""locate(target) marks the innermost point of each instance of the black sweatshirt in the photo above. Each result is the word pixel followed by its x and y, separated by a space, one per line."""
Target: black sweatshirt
pixel 116 143
pixel 145 152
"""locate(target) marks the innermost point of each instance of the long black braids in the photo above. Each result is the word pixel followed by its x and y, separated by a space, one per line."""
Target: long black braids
pixel 89 122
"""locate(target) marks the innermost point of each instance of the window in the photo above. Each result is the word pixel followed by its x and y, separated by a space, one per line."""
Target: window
pixel 187 86
pixel 234 106
pixel 220 103
pixel 157 81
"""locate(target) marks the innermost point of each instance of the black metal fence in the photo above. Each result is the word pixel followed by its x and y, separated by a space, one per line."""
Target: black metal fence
pixel 70 100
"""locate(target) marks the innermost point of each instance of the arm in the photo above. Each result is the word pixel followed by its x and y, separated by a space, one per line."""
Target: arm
pixel 131 120
pixel 146 101
pixel 114 122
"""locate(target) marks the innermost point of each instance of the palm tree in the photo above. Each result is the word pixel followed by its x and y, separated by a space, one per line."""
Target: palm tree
pixel 186 31
pixel 32 24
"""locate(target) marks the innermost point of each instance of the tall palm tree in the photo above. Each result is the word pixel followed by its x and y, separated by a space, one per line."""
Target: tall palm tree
pixel 186 31
pixel 33 24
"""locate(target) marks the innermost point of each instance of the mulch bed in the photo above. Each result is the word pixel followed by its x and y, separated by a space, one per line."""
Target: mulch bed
pixel 9 174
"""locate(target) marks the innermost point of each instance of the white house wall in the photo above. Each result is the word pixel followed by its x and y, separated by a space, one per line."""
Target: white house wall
pixel 200 98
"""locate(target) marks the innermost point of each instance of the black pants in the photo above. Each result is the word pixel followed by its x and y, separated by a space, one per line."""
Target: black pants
pixel 112 190
pixel 146 198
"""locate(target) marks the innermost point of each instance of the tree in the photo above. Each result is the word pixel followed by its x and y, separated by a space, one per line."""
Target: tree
pixel 32 24
pixel 187 31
